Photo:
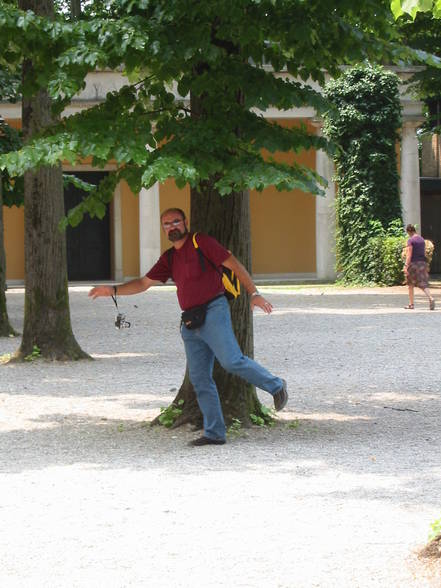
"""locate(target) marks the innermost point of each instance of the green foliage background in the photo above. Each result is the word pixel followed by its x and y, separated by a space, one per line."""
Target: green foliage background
pixel 10 139
pixel 365 126
pixel 12 187
pixel 424 32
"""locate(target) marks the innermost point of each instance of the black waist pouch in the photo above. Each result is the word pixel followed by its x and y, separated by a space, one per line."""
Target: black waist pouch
pixel 193 318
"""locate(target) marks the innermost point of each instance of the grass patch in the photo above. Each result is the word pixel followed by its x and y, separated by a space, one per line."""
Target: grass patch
pixel 235 429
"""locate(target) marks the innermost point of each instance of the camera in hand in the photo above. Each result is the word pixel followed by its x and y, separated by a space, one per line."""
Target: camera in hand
pixel 120 322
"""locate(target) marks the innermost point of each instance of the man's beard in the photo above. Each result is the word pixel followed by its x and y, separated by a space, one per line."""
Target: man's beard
pixel 176 234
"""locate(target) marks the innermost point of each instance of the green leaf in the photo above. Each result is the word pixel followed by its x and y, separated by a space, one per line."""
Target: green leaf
pixel 396 8
pixel 412 7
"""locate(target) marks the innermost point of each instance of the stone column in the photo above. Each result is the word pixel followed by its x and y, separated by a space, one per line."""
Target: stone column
pixel 149 229
pixel 117 236
pixel 410 174
pixel 325 217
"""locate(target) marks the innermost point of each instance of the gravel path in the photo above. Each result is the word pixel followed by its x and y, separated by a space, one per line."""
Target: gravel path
pixel 340 493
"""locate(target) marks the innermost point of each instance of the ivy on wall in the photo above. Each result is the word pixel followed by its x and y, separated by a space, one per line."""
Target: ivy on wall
pixel 365 125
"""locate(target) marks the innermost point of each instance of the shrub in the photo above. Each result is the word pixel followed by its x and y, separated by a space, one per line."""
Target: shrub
pixel 391 264
pixel 384 264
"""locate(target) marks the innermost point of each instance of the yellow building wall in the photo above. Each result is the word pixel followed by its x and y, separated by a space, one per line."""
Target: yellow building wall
pixel 283 223
pixel 282 226
pixel 13 220
pixel 130 231
pixel 15 123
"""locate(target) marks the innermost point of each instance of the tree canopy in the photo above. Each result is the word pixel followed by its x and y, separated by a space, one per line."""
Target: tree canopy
pixel 424 32
pixel 169 49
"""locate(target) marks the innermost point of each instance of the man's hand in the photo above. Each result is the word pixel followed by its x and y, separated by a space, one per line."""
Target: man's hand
pixel 101 291
pixel 262 303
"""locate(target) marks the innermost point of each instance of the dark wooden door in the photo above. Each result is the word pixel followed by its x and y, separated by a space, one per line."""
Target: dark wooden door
pixel 431 218
pixel 88 244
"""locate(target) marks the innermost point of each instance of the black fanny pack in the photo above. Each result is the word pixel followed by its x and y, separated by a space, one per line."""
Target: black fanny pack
pixel 194 317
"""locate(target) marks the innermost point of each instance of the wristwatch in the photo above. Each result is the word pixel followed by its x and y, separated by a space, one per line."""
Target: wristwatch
pixel 256 293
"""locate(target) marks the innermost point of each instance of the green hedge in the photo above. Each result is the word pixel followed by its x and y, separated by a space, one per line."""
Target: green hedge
pixel 385 264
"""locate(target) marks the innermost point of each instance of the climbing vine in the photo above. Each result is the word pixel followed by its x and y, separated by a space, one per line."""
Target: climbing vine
pixel 365 124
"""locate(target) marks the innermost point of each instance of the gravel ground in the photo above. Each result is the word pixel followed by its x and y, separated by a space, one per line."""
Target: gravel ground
pixel 340 493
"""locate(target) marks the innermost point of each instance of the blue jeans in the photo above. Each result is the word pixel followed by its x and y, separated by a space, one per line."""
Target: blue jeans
pixel 216 339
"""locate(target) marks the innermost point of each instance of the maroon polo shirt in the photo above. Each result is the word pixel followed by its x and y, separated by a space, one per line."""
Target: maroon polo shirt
pixel 194 285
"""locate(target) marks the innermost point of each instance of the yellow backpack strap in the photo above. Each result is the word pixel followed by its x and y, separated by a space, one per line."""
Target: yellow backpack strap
pixel 200 253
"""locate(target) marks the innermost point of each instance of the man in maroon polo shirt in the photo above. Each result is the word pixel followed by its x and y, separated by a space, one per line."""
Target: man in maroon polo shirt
pixel 201 284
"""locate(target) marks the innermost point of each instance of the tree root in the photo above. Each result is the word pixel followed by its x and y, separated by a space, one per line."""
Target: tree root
pixel 191 418
pixel 21 357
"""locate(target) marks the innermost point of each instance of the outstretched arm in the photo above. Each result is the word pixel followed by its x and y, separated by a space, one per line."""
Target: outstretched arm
pixel 245 279
pixel 133 287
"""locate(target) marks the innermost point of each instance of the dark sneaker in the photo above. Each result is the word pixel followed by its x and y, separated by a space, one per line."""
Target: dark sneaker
pixel 281 397
pixel 206 441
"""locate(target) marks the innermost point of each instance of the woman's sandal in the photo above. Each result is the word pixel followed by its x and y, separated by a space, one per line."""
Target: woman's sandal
pixel 409 307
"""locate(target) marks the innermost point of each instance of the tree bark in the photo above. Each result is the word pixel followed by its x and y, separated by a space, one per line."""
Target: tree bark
pixel 47 323
pixel 75 9
pixel 5 328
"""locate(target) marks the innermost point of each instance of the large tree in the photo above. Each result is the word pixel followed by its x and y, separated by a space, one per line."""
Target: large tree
pixel 225 54
pixel 47 323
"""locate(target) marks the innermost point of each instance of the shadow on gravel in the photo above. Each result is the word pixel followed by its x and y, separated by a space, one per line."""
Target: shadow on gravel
pixel 368 459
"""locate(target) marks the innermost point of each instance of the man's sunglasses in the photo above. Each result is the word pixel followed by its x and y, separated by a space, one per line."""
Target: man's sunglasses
pixel 173 223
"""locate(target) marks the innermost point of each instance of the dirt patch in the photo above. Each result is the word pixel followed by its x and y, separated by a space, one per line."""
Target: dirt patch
pixel 432 550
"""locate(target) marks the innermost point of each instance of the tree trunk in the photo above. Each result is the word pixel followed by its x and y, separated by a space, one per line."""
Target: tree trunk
pixel 47 323
pixel 227 219
pixel 75 9
pixel 5 328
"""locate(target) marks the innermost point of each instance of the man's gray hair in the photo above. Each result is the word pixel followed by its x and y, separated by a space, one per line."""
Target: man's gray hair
pixel 178 210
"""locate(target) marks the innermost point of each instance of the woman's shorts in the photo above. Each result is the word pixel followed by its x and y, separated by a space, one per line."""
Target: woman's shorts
pixel 417 274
